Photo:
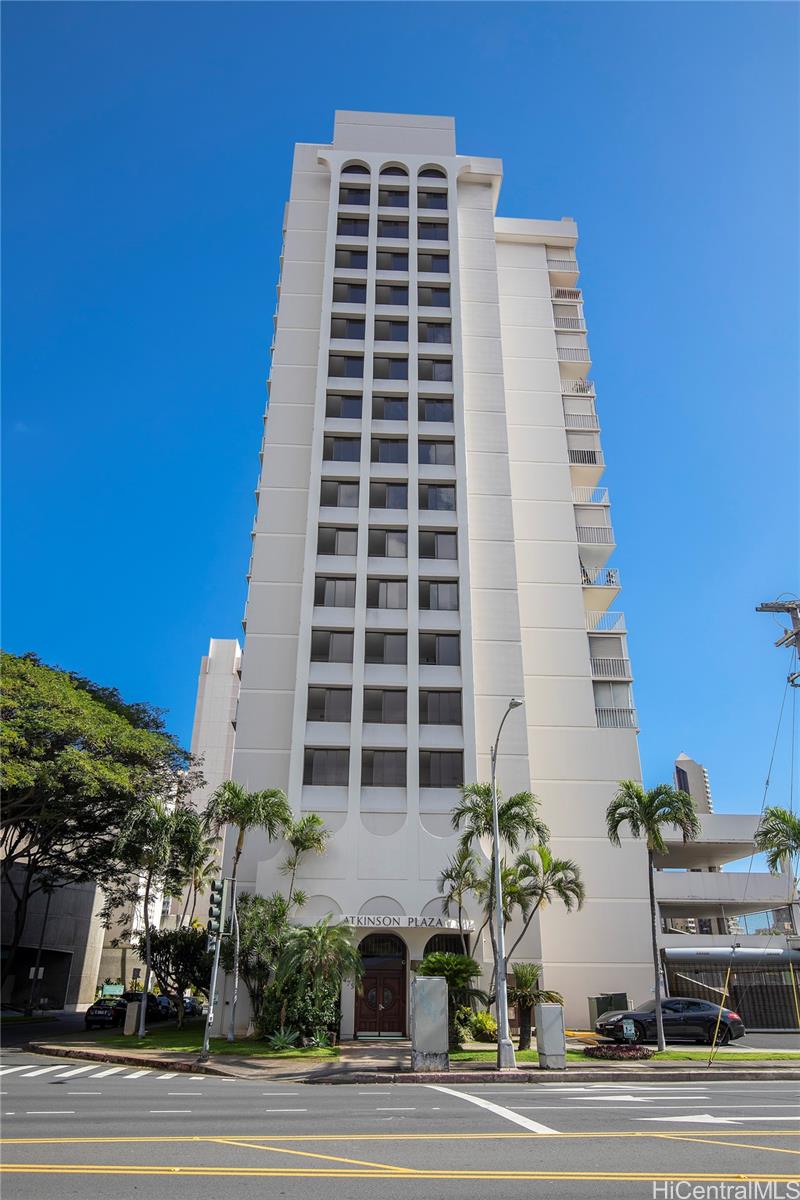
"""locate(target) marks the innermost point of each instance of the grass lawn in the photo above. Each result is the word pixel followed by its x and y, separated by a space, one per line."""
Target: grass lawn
pixel 190 1038
pixel 574 1056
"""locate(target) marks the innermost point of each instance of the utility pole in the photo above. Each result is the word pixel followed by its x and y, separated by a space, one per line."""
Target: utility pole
pixel 790 637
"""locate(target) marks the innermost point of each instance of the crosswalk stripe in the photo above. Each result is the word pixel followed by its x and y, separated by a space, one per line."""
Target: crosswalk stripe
pixel 138 1074
pixel 75 1071
pixel 8 1070
pixel 40 1071
pixel 110 1071
pixel 169 1075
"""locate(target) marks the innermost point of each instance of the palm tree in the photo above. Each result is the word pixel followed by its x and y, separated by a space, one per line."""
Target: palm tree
pixel 232 804
pixel 204 864
pixel 320 957
pixel 457 880
pixel 542 878
pixel 646 814
pixel 778 836
pixel 458 970
pixel 308 835
pixel 526 993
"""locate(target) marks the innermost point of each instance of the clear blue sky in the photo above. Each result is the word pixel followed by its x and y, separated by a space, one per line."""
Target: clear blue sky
pixel 147 157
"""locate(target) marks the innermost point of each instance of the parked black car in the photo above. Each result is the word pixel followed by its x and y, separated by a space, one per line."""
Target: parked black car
pixel 192 1006
pixel 155 1011
pixel 106 1012
pixel 694 1020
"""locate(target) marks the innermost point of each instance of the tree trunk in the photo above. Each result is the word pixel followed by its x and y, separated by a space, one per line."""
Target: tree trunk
pixel 143 1002
pixel 525 1012
pixel 185 906
pixel 662 1045
pixel 194 902
pixel 461 929
pixel 22 898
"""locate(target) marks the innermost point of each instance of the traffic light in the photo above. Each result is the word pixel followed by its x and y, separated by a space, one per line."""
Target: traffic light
pixel 216 907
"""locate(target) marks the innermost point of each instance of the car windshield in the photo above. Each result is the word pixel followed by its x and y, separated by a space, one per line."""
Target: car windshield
pixel 648 1006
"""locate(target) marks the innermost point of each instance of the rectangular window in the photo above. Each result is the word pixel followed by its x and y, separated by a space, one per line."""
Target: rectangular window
pixel 338 494
pixel 439 649
pixel 438 595
pixel 433 297
pixel 435 332
pixel 341 449
pixel 389 450
pixel 383 768
pixel 390 368
pixel 345 366
pixel 387 593
pixel 382 707
pixel 432 231
pixel 392 260
pixel 440 369
pixel 328 704
pixel 391 331
pixel 437 497
pixel 334 592
pixel 437 454
pixel 388 495
pixel 433 263
pixel 331 646
pixel 339 405
pixel 386 648
pixel 431 199
pixel 388 543
pixel 329 768
pixel 435 410
pixel 388 198
pixel 391 293
pixel 336 541
pixel 352 227
pixel 440 708
pixel 348 327
pixel 441 768
pixel 433 544
pixel 355 259
pixel 392 229
pixel 390 408
pixel 349 293
pixel 352 195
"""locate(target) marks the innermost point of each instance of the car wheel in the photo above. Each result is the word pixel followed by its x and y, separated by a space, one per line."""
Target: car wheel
pixel 723 1037
pixel 638 1032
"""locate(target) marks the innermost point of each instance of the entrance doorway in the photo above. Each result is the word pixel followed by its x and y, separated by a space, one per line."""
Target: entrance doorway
pixel 381 1003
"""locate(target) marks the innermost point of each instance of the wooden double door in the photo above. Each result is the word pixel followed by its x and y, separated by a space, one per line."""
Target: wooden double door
pixel 381 1002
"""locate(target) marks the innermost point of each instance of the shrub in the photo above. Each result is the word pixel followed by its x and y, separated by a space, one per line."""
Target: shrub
pixel 284 1039
pixel 484 1027
pixel 610 1050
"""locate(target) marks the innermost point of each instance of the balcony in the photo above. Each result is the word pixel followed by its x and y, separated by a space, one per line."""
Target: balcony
pixel 600 587
pixel 723 838
pixel 595 535
pixel 586 464
pixel 611 668
pixel 590 495
pixel 616 718
pixel 581 421
pixel 566 293
pixel 563 271
pixel 577 324
pixel 577 387
pixel 605 622
pixel 573 360
pixel 701 893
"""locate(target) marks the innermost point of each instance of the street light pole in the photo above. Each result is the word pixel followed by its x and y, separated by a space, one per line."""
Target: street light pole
pixel 505 1047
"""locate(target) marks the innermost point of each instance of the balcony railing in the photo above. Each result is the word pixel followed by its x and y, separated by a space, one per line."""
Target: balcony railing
pixel 590 495
pixel 611 668
pixel 600 577
pixel 605 622
pixel 573 354
pixel 586 458
pixel 569 323
pixel 616 718
pixel 565 293
pixel 577 387
pixel 595 535
pixel 581 421
pixel 562 264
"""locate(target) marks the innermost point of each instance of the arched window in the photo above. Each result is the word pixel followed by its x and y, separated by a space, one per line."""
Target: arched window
pixel 355 169
pixel 446 943
pixel 432 173
pixel 393 169
pixel 382 949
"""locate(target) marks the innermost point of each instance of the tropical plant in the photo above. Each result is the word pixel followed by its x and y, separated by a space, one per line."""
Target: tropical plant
pixel 483 1026
pixel 457 880
pixel 307 835
pixel 283 1039
pixel 204 866
pixel 263 931
pixel 540 878
pixel 778 837
pixel 458 971
pixel 268 810
pixel 647 814
pixel 180 960
pixel 318 959
pixel 525 994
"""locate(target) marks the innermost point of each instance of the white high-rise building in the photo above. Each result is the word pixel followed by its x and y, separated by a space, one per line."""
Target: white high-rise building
pixel 432 539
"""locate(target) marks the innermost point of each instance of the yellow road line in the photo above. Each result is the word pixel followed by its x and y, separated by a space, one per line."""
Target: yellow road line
pixel 358 1162
pixel 386 1137
pixel 682 1137
pixel 322 1173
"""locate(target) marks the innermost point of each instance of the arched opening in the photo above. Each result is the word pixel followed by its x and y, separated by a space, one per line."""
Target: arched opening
pixel 432 173
pixel 355 168
pixel 381 1003
pixel 447 943
pixel 393 169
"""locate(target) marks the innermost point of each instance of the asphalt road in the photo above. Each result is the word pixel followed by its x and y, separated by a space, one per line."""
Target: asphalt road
pixel 105 1131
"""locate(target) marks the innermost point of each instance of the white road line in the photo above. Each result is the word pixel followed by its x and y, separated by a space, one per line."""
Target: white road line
pixel 282 1110
pixel 184 1093
pixel 110 1071
pixel 170 1110
pixel 497 1109
pixel 50 1112
pixel 8 1070
pixel 84 1093
pixel 195 1078
pixel 75 1071
pixel 169 1075
pixel 41 1071
pixel 282 1094
pixel 399 1109
pixel 138 1074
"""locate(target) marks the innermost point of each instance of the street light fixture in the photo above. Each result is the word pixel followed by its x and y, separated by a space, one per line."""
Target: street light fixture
pixel 505 1047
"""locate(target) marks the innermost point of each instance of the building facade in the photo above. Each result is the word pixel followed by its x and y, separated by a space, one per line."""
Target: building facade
pixel 432 538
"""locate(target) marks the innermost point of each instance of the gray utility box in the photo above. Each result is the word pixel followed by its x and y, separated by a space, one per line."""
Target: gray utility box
pixel 131 1017
pixel 551 1041
pixel 429 1032
pixel 607 1002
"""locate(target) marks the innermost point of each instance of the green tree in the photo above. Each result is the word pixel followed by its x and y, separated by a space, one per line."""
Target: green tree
pixel 307 835
pixel 268 810
pixel 778 837
pixel 525 994
pixel 647 814
pixel 180 959
pixel 203 861
pixel 458 879
pixel 539 879
pixel 263 932
pixel 458 970
pixel 75 758
pixel 318 959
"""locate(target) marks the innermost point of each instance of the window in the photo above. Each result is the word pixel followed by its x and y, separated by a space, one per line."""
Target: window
pixel 437 454
pixel 341 449
pixel 386 648
pixel 394 170
pixel 354 195
pixel 390 408
pixel 338 405
pixel 432 231
pixel 440 369
pixel 331 646
pixel 329 768
pixel 338 494
pixel 383 768
pixel 437 497
pixel 354 293
pixel 345 366
pixel 435 410
pixel 392 229
pixel 389 450
pixel 440 708
pixel 348 327
pixel 438 595
pixel 389 198
pixel 352 226
pixel 356 259
pixel 388 495
pixel 328 704
pixel 439 649
pixel 391 331
pixel 433 544
pixel 336 541
pixel 387 593
pixel 334 592
pixel 383 707
pixel 391 293
pixel 430 199
pixel 437 332
pixel 392 260
pixel 432 173
pixel 433 297
pixel 388 543
pixel 430 263
pixel 390 368
pixel 447 943
pixel 355 169
pixel 441 768
pixel 612 695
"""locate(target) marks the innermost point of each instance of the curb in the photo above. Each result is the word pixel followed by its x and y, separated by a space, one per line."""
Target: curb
pixel 186 1065
pixel 571 1075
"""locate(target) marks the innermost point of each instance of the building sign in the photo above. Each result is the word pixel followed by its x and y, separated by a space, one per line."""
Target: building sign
pixel 386 922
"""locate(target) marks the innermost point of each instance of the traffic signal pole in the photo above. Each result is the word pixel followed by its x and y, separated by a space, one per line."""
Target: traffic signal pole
pixel 216 925
pixel 212 991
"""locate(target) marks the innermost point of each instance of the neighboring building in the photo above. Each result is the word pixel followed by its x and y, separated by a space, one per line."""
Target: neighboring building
pixel 692 777
pixel 432 539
